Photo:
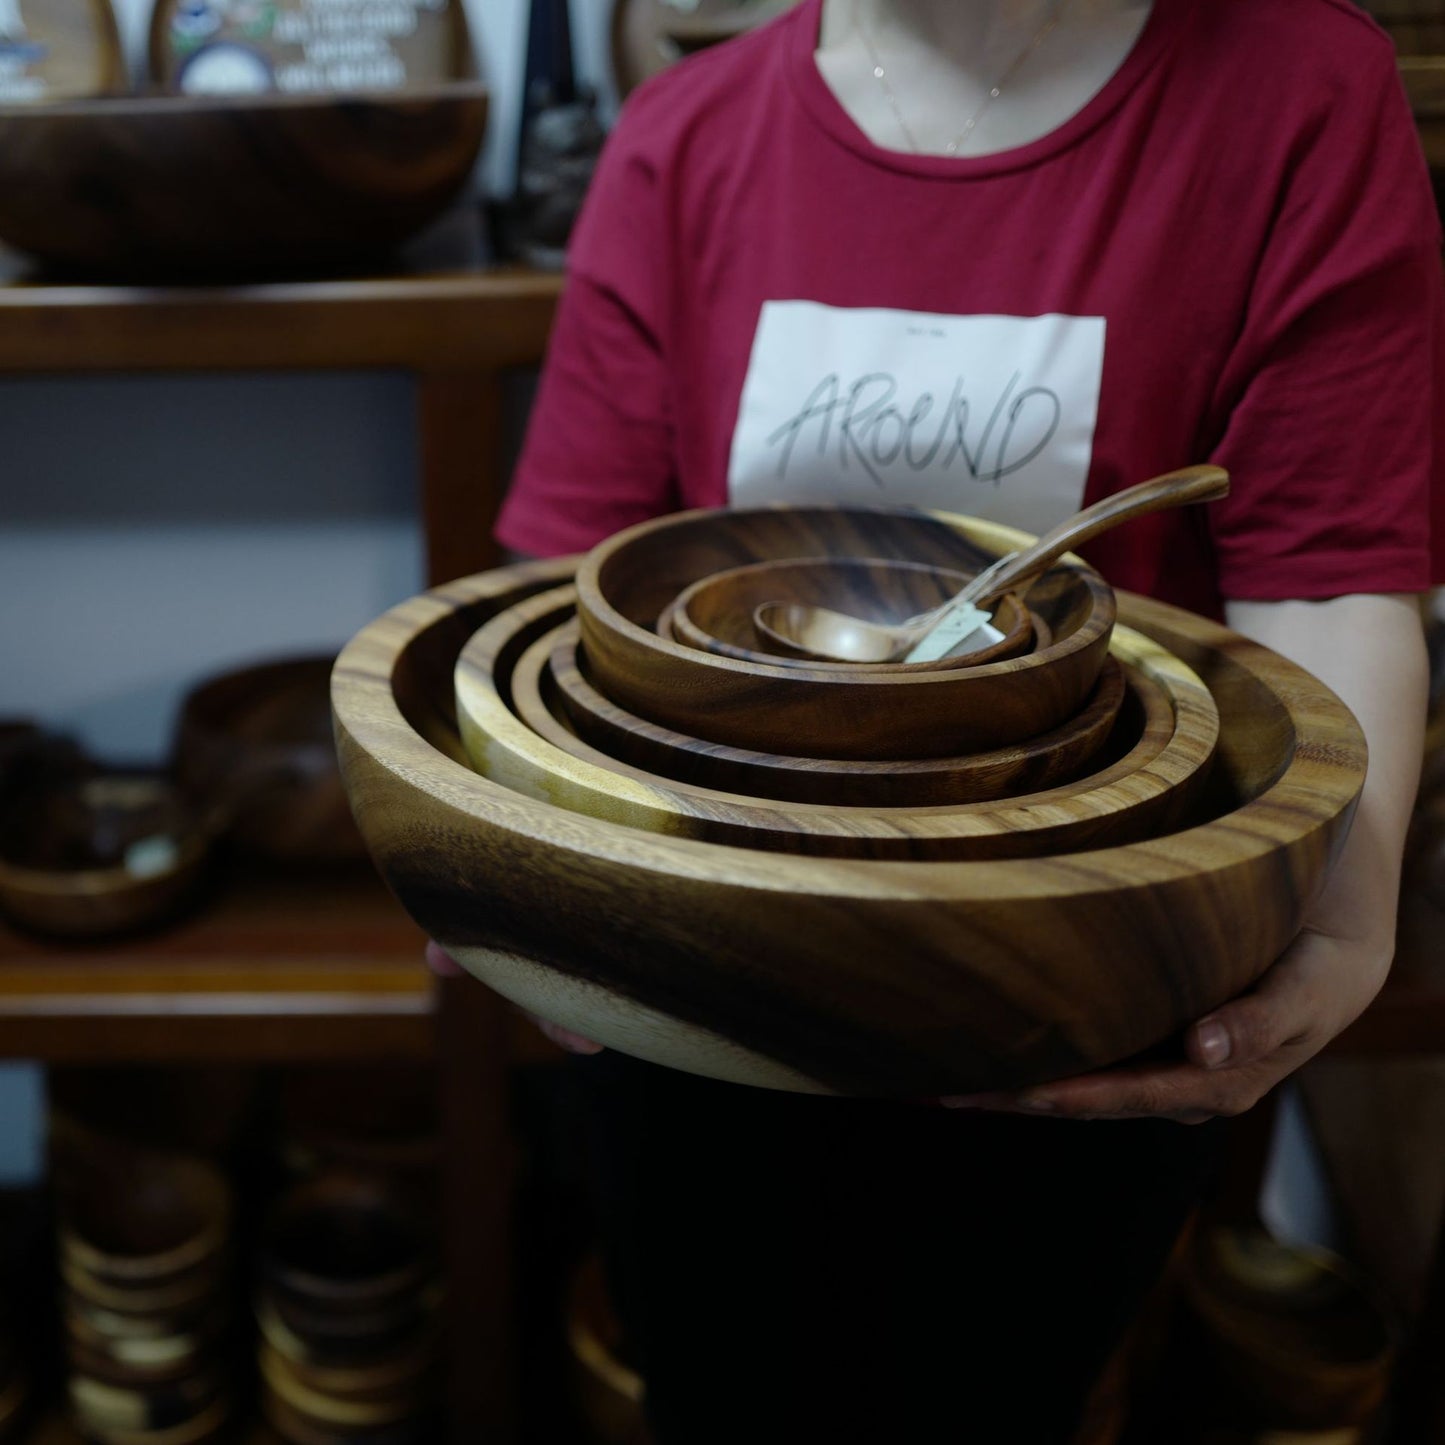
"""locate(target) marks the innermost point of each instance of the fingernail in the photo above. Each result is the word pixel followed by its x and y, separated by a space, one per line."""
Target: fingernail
pixel 1037 1104
pixel 1214 1045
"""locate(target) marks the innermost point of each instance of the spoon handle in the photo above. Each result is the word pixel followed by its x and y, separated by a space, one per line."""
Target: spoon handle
pixel 1173 489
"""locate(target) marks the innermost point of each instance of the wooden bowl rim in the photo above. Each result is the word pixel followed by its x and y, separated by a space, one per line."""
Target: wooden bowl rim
pixel 1140 778
pixel 598 612
pixel 145 107
pixel 680 619
pixel 1320 781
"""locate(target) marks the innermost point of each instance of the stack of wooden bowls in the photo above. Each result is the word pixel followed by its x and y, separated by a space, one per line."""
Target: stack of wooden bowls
pixel 347 1308
pixel 596 787
pixel 144 1263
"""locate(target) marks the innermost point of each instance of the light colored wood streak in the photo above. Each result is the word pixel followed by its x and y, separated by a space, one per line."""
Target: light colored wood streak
pixel 1137 795
pixel 879 978
pixel 858 712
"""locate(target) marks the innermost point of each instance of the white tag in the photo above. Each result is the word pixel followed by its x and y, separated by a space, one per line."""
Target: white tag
pixel 948 632
pixel 150 857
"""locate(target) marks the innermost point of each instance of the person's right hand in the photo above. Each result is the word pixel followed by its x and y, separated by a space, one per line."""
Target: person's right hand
pixel 444 965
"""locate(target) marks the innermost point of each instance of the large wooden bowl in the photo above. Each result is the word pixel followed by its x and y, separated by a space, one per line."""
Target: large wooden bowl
pixel 624 584
pixel 1146 790
pixel 572 704
pixel 875 978
pixel 715 614
pixel 195 188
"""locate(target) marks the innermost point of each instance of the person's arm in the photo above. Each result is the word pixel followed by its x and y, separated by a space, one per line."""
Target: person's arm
pixel 1370 649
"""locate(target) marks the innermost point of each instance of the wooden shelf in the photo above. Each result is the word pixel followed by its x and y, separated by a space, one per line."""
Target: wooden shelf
pixel 272 966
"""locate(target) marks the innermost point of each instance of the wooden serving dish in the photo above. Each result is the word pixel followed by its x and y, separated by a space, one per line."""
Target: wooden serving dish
pixel 874 978
pixel 572 705
pixel 1170 732
pixel 206 188
pixel 715 614
pixel 624 584
pixel 253 746
pixel 107 854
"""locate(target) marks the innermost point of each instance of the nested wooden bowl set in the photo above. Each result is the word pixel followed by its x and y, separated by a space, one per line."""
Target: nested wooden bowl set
pixel 617 802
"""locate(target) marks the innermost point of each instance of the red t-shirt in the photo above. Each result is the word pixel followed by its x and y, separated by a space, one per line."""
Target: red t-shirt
pixel 1230 254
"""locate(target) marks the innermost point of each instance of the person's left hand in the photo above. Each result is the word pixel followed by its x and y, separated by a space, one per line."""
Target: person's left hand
pixel 1236 1054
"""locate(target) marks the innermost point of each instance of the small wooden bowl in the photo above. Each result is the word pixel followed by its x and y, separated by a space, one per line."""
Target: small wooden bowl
pixel 875 978
pixel 624 584
pixel 358 1408
pixel 254 746
pixel 401 1369
pixel 1055 757
pixel 197 188
pixel 345 1244
pixel 103 1406
pixel 110 854
pixel 1167 738
pixel 298 1427
pixel 136 1222
pixel 210 1424
pixel 129 1359
pixel 715 614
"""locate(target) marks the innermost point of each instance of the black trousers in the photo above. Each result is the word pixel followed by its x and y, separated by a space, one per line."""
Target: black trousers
pixel 798 1269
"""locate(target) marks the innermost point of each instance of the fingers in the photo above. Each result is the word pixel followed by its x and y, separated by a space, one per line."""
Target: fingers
pixel 565 1038
pixel 441 962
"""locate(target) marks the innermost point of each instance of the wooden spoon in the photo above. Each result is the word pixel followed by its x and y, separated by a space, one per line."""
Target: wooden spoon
pixel 826 633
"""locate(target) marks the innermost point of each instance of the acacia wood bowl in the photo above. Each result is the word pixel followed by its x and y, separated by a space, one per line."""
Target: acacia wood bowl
pixel 715 614
pixel 112 853
pixel 1054 757
pixel 1166 739
pixel 850 976
pixel 201 188
pixel 253 748
pixel 624 584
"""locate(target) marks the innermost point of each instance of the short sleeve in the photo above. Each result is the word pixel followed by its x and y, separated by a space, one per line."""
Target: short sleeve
pixel 599 454
pixel 1328 410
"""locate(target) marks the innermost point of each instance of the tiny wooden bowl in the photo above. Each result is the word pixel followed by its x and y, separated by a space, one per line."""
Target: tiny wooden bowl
pixel 46 884
pixel 135 1222
pixel 254 746
pixel 346 1244
pixel 198 188
pixel 715 614
pixel 1167 739
pixel 624 584
pixel 1031 766
pixel 875 978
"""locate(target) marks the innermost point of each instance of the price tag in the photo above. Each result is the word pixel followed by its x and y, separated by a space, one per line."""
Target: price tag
pixel 951 631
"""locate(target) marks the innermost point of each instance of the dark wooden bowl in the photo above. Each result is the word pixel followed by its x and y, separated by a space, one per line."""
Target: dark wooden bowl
pixel 104 1406
pixel 108 854
pixel 899 979
pixel 212 1423
pixel 101 1342
pixel 624 584
pixel 715 614
pixel 300 1427
pixel 171 188
pixel 253 747
pixel 1054 757
pixel 1165 741
pixel 403 1369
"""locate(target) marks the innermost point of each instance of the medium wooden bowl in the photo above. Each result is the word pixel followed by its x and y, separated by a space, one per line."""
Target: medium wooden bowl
pixel 851 712
pixel 715 614
pixel 253 747
pixel 1167 739
pixel 874 978
pixel 1031 766
pixel 110 854
pixel 191 188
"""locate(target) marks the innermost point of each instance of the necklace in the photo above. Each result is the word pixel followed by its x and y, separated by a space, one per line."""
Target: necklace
pixel 961 139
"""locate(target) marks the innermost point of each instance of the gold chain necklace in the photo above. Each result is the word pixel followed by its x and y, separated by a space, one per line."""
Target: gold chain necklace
pixel 961 139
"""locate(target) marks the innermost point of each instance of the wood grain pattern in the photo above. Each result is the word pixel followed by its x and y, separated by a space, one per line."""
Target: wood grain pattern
pixel 209 187
pixel 878 978
pixel 715 614
pixel 624 584
pixel 1051 758
pixel 1165 741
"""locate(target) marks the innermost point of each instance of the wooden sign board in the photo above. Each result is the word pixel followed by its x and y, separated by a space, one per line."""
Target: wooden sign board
pixel 55 50
pixel 308 47
pixel 650 35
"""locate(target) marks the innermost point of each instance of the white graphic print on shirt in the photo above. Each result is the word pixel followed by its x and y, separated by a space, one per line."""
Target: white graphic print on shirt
pixel 989 415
